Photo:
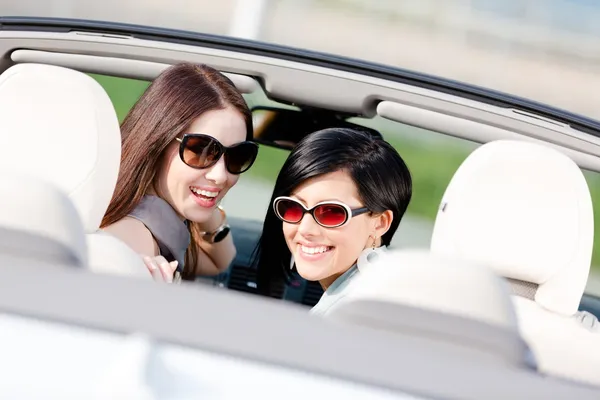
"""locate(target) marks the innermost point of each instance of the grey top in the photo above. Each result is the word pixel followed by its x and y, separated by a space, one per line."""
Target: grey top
pixel 169 231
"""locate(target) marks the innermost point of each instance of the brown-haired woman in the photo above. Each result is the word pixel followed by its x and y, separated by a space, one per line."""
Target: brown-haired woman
pixel 184 144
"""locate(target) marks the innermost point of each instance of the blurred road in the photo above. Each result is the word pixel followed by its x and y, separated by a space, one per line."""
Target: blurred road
pixel 593 285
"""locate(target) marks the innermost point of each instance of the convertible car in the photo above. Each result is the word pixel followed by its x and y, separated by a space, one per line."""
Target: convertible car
pixel 70 332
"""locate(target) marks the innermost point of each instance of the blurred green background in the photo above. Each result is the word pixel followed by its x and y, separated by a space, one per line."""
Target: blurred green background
pixel 432 158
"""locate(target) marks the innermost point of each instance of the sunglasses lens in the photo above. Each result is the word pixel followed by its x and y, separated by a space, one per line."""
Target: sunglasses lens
pixel 331 215
pixel 200 151
pixel 289 211
pixel 241 157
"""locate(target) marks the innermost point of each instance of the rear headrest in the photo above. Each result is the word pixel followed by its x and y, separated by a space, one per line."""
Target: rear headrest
pixel 524 210
pixel 60 125
pixel 420 279
pixel 38 224
pixel 444 301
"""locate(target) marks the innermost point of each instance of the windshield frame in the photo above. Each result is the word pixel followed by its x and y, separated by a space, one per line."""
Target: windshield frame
pixel 310 57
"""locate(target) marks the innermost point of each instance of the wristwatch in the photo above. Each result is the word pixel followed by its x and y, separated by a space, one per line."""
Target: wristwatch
pixel 218 234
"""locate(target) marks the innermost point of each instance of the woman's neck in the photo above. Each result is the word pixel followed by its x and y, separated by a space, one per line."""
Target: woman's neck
pixel 326 282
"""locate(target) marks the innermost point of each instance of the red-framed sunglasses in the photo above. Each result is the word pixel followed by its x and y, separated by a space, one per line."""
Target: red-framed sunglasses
pixel 329 214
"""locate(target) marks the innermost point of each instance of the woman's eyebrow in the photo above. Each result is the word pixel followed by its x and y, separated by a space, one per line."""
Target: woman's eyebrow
pixel 324 201
pixel 298 197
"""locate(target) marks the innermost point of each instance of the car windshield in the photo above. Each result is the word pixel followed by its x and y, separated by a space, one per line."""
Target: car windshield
pixel 541 51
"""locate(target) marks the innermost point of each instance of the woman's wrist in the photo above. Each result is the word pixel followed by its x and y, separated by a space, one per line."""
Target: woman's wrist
pixel 216 220
pixel 216 229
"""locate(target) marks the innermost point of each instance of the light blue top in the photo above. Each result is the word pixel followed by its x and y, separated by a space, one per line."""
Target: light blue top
pixel 343 285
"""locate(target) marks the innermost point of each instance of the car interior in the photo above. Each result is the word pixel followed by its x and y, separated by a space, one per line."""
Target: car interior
pixel 505 313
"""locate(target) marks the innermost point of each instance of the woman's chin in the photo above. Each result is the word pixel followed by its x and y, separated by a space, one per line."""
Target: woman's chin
pixel 198 215
pixel 311 273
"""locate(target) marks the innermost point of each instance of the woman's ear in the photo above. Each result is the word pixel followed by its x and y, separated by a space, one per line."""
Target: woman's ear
pixel 383 223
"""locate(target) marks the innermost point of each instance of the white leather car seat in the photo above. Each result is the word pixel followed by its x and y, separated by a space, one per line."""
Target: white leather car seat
pixel 60 125
pixel 525 210
pixel 50 234
pixel 451 303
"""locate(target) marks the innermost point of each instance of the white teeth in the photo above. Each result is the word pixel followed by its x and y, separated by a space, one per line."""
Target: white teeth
pixel 314 250
pixel 205 193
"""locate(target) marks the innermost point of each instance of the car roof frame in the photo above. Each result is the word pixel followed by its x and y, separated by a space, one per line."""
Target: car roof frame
pixel 290 82
pixel 310 57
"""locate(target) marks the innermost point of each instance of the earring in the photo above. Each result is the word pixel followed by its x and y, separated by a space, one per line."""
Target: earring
pixel 372 253
pixel 369 254
pixel 292 262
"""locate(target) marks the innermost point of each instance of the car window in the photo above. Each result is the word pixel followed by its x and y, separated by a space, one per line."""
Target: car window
pixel 432 158
pixel 593 179
pixel 122 92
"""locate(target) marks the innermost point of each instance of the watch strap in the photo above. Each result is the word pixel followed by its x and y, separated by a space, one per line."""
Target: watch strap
pixel 210 236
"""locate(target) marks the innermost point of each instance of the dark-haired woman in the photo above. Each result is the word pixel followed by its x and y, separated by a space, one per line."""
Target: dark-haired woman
pixel 184 145
pixel 337 202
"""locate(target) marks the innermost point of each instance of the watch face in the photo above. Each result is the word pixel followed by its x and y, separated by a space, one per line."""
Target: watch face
pixel 221 234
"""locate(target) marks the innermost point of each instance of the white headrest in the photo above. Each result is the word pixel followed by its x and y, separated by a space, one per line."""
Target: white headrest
pixel 420 279
pixel 60 125
pixel 525 210
pixel 39 223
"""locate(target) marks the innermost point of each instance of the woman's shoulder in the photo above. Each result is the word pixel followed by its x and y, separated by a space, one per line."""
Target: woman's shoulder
pixel 137 236
pixel 127 223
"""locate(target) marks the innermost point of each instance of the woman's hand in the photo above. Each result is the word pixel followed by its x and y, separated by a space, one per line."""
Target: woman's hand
pixel 160 269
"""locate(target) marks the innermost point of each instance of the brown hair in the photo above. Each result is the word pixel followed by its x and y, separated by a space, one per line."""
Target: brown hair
pixel 178 96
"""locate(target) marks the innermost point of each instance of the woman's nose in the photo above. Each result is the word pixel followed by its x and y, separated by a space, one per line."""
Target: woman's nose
pixel 218 173
pixel 308 226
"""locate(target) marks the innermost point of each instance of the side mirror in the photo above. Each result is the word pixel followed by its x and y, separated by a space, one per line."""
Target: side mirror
pixel 284 128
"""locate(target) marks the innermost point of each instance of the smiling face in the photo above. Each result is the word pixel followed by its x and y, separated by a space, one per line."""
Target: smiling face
pixel 194 193
pixel 323 254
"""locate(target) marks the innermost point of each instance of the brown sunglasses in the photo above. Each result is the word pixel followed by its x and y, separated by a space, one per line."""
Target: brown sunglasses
pixel 201 151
